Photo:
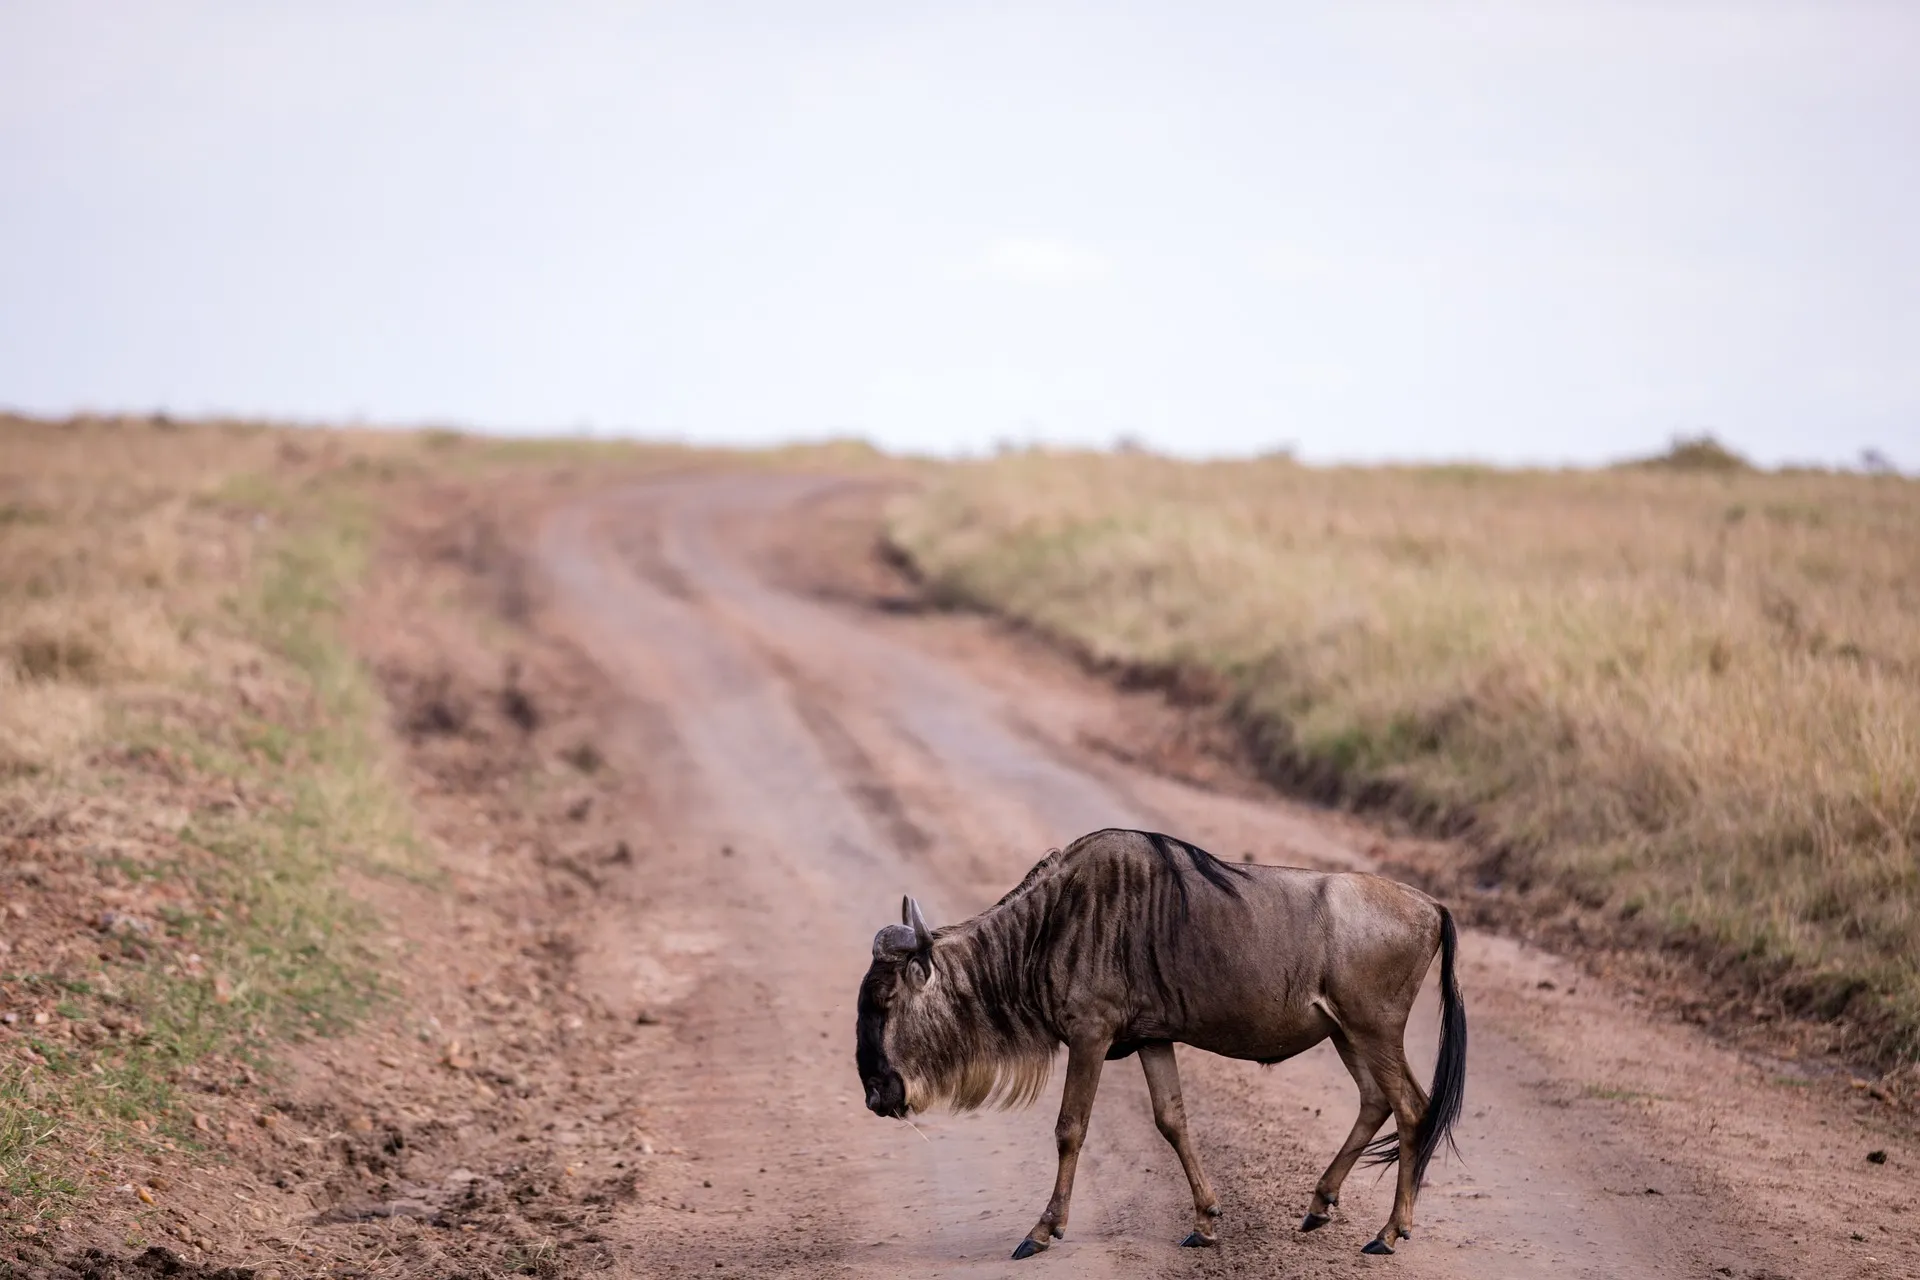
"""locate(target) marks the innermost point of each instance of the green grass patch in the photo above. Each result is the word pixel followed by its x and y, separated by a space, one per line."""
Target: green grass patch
pixel 258 943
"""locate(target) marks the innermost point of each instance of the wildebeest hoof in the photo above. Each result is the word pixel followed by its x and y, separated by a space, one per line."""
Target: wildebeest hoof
pixel 1027 1248
pixel 1376 1246
pixel 1315 1221
pixel 1195 1240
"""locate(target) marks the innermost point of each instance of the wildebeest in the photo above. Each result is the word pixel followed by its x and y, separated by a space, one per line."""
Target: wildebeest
pixel 1129 941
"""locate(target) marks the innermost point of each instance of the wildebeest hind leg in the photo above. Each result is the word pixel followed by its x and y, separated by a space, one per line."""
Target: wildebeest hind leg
pixel 1374 1110
pixel 1084 1061
pixel 1389 1067
pixel 1170 1114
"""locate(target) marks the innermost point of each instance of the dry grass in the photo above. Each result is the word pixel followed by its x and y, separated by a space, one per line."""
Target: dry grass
pixel 1685 698
pixel 182 770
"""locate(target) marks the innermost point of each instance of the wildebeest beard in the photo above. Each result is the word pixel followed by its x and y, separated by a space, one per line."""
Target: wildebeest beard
pixel 943 1052
pixel 963 1027
pixel 919 1039
pixel 983 1024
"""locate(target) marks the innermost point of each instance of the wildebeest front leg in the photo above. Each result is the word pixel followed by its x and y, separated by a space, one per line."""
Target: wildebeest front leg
pixel 1170 1113
pixel 1084 1061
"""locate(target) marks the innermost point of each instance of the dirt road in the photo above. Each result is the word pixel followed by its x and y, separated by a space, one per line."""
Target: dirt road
pixel 805 761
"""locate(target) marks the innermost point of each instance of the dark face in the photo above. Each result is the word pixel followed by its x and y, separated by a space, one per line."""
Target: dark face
pixel 886 1092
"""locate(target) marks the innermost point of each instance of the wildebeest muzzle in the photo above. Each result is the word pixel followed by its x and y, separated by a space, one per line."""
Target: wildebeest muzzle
pixel 887 1095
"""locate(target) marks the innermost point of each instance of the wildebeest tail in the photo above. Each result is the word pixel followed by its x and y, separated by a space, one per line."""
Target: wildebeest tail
pixel 1449 1070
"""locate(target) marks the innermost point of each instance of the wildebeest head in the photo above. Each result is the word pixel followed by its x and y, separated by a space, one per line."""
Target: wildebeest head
pixel 902 966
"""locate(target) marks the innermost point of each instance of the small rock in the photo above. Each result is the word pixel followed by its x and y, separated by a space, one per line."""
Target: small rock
pixel 159 1183
pixel 40 1019
pixel 361 1124
pixel 647 1018
pixel 1876 1157
pixel 201 1122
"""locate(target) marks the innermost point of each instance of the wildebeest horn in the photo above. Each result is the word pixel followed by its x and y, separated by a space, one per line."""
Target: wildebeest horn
pixel 910 914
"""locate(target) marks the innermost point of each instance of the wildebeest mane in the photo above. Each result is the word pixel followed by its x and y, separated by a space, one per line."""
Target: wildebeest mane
pixel 1027 881
pixel 1221 875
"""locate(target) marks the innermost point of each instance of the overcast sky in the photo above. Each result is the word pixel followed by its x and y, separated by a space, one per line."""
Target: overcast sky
pixel 1520 232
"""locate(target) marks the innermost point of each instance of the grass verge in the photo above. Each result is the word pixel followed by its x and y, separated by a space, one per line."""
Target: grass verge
pixel 172 901
pixel 1679 703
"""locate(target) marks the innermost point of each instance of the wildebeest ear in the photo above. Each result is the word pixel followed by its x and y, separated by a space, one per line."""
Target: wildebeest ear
pixel 921 934
pixel 918 969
